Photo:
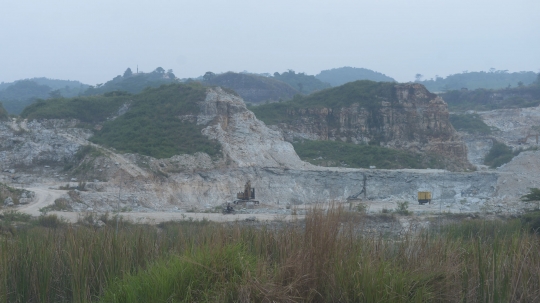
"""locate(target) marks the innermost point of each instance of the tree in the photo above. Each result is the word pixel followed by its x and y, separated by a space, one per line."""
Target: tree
pixel 128 73
pixel 55 94
pixel 159 70
pixel 533 195
pixel 418 77
pixel 208 76
pixel 520 84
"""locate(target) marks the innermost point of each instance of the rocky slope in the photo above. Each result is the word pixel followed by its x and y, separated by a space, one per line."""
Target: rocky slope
pixel 33 153
pixel 415 121
pixel 245 140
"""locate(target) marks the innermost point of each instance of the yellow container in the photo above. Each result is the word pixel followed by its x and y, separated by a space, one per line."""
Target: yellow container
pixel 424 197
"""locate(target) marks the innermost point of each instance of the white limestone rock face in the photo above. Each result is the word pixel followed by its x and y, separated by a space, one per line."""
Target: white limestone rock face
pixel 245 141
pixel 28 144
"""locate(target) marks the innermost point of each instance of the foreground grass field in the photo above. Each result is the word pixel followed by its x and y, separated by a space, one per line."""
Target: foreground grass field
pixel 322 259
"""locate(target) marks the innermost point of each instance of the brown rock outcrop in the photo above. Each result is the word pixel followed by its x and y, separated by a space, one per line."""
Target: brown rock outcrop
pixel 415 120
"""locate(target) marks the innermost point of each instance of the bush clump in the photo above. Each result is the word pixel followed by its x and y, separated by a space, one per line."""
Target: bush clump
pixel 471 123
pixel 498 155
pixel 336 153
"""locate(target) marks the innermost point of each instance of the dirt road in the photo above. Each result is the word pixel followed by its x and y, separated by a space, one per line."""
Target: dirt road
pixel 46 196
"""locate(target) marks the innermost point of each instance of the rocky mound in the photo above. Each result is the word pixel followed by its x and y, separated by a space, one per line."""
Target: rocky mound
pixel 400 116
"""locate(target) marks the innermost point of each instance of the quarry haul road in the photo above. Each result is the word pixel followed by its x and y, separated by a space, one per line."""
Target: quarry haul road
pixel 46 196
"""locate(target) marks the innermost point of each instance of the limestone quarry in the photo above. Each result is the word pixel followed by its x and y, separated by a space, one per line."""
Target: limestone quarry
pixel 34 155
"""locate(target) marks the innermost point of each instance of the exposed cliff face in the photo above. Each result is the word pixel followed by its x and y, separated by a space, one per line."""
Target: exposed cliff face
pixel 25 144
pixel 416 120
pixel 245 140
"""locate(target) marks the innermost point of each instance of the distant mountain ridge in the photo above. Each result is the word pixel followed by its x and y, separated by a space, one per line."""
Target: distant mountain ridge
pixel 18 94
pixel 252 88
pixel 494 79
pixel 342 75
pixel 305 84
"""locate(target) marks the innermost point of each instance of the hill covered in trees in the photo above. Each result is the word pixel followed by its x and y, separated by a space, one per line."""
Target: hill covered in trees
pixel 305 84
pixel 342 75
pixel 146 123
pixel 490 99
pixel 494 79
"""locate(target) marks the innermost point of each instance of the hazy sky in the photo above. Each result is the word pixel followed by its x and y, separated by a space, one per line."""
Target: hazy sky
pixel 94 41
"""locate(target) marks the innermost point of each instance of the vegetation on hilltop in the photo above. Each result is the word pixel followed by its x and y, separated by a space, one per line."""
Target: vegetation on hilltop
pixel 305 84
pixel 151 126
pixel 92 109
pixel 494 79
pixel 328 257
pixel 342 75
pixel 470 123
pixel 133 83
pixel 252 88
pixel 483 99
pixel 336 153
pixel 367 94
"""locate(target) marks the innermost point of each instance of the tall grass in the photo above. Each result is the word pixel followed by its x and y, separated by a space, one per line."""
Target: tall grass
pixel 325 258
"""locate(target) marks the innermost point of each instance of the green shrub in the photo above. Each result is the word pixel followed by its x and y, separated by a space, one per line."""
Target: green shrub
pixel 471 123
pixel 15 216
pixel 192 277
pixel 50 221
pixel 499 154
pixel 403 208
pixel 3 113
pixel 532 221
pixel 337 153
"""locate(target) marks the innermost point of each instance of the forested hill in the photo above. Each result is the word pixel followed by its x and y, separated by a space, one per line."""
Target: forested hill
pixel 365 93
pixel 489 99
pixel 494 79
pixel 252 88
pixel 133 82
pixel 305 84
pixel 146 123
pixel 342 75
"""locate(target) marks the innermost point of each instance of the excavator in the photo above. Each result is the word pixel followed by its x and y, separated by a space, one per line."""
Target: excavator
pixel 248 195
